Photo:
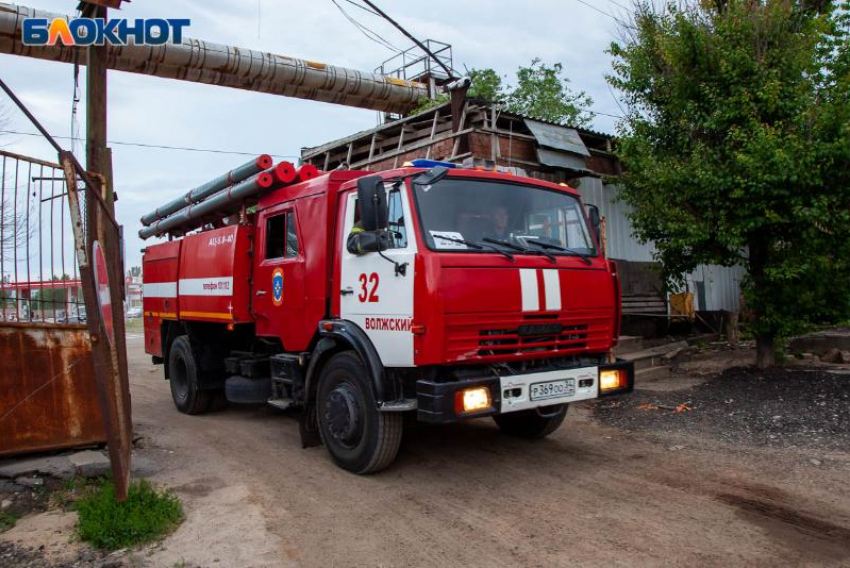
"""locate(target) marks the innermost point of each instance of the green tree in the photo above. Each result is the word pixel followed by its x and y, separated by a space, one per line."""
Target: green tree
pixel 50 298
pixel 543 92
pixel 5 295
pixel 486 84
pixel 737 149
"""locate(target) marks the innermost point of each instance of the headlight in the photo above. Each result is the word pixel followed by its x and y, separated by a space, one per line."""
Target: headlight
pixel 614 379
pixel 472 400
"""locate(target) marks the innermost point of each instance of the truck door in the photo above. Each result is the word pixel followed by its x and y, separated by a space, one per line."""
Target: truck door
pixel 279 276
pixel 375 295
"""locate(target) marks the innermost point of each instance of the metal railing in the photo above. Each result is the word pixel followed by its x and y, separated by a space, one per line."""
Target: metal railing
pixel 39 275
pixel 415 65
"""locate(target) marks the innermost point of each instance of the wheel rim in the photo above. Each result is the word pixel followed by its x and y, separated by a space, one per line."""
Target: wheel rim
pixel 344 415
pixel 179 379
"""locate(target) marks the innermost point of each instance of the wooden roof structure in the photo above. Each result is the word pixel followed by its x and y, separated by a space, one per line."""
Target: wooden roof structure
pixel 486 134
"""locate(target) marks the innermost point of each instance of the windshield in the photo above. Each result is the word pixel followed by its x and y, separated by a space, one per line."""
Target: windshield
pixel 457 214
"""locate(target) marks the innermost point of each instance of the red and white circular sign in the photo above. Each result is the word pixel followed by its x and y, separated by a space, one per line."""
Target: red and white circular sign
pixel 104 298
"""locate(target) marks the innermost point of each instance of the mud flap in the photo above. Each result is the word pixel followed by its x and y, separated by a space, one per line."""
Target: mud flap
pixel 309 428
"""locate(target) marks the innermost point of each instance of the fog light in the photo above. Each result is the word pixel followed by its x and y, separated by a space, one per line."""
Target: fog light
pixel 612 380
pixel 472 400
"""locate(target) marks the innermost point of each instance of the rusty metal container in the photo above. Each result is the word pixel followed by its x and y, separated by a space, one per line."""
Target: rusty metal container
pixel 48 394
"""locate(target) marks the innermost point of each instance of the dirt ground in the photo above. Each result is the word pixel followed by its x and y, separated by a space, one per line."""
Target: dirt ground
pixel 465 495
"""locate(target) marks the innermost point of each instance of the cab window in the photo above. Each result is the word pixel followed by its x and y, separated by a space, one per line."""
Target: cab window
pixel 281 236
pixel 291 236
pixel 396 226
pixel 276 237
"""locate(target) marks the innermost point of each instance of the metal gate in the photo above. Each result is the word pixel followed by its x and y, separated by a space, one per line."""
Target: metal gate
pixel 61 309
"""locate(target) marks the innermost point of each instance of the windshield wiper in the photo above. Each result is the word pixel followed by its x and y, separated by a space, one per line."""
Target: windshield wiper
pixel 477 246
pixel 548 255
pixel 584 257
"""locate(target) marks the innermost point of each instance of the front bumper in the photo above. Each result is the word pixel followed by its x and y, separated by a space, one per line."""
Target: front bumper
pixel 511 393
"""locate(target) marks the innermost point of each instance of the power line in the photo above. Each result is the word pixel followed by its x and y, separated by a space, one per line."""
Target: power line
pixel 153 146
pixel 620 5
pixel 411 37
pixel 364 8
pixel 372 35
pixel 592 7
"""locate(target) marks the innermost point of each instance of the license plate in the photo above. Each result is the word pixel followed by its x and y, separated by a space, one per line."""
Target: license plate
pixel 553 389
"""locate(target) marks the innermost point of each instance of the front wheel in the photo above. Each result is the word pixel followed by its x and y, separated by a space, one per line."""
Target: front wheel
pixel 359 437
pixel 534 423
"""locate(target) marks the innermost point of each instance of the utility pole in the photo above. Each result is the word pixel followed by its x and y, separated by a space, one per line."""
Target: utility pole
pixel 96 94
pixel 99 161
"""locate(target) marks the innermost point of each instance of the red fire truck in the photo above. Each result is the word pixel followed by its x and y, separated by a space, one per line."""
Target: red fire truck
pixel 430 291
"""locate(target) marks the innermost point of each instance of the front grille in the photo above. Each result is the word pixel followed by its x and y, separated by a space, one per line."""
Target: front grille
pixel 492 337
pixel 509 341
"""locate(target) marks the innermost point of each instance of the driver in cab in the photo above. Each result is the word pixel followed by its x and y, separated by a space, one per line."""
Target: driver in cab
pixel 361 241
pixel 499 220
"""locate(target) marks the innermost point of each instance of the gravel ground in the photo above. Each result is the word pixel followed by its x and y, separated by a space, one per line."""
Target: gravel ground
pixel 795 407
pixel 21 557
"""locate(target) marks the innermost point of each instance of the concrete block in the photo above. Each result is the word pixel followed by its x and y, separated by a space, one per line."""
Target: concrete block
pixel 90 463
pixel 54 466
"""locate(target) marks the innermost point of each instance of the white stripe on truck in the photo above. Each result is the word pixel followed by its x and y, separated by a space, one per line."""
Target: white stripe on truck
pixel 207 286
pixel 160 290
pixel 222 286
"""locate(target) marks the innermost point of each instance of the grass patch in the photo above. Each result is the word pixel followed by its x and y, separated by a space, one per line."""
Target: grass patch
pixel 7 521
pixel 135 325
pixel 147 515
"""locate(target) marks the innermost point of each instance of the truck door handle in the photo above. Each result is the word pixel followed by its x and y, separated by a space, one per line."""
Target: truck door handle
pixel 261 292
pixel 346 291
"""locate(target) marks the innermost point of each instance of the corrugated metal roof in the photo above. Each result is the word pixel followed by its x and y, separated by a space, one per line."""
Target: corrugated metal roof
pixel 566 160
pixel 557 137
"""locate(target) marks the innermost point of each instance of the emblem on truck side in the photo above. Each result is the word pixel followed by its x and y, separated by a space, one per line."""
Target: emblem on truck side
pixel 277 286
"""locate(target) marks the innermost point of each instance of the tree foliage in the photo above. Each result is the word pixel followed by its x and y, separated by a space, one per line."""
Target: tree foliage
pixel 737 149
pixel 541 91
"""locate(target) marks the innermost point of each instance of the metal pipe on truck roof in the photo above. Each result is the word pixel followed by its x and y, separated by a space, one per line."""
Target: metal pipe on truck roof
pixel 226 66
pixel 187 218
pixel 201 192
pixel 307 171
pixel 283 174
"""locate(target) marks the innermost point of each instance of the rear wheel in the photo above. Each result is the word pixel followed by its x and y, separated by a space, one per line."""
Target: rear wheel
pixel 359 437
pixel 183 376
pixel 534 423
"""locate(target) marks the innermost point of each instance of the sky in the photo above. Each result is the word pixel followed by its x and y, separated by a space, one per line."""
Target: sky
pixel 500 34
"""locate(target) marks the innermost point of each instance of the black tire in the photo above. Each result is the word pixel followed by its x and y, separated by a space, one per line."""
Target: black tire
pixel 243 390
pixel 359 437
pixel 183 375
pixel 532 424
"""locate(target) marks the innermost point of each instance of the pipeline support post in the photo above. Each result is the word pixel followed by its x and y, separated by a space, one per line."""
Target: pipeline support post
pixel 99 160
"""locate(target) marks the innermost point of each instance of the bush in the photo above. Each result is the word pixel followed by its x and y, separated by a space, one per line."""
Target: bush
pixel 146 515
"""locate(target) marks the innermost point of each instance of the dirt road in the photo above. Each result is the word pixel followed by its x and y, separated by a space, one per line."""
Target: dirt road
pixel 466 495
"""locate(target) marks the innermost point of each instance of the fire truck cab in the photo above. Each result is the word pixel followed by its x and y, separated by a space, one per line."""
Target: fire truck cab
pixel 431 291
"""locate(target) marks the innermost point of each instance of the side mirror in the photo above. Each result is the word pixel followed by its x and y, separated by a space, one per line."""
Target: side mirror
pixel 595 221
pixel 372 198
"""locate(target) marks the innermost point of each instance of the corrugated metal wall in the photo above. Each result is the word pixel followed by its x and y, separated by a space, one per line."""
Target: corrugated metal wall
pixel 714 287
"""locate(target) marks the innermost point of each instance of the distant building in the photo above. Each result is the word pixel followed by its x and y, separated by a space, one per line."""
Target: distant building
pixel 134 289
pixel 581 158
